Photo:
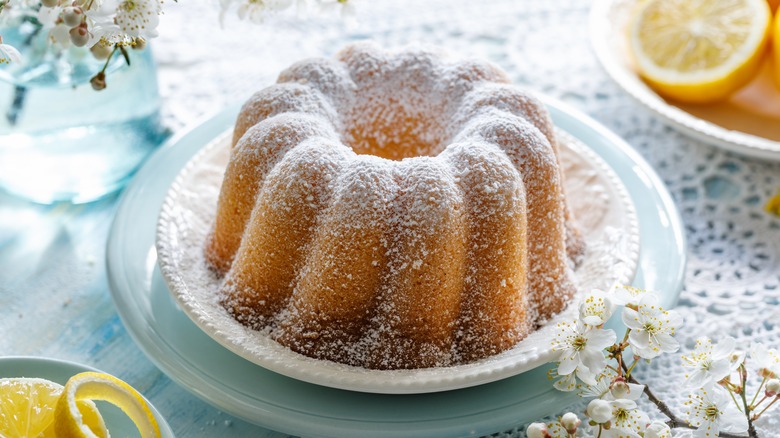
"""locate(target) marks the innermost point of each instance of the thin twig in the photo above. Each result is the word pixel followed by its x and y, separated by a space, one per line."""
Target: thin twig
pixel 674 421
pixel 743 378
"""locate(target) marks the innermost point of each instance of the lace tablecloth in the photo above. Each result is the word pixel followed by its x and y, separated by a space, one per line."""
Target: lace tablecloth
pixel 732 285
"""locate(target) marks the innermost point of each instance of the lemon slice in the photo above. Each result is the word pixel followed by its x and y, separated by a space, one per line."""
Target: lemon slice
pixel 27 406
pixel 69 422
pixel 699 51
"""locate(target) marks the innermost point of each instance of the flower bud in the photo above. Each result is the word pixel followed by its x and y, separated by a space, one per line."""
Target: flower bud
pixel 79 36
pixel 619 389
pixel 72 16
pixel 772 387
pixel 50 3
pixel 658 429
pixel 599 411
pixel 98 81
pixel 570 422
pixel 537 430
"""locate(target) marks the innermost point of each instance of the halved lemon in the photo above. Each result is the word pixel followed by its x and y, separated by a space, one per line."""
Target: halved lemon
pixel 699 51
pixel 69 421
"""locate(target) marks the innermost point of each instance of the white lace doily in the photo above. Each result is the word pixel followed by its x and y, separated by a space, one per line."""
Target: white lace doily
pixel 733 276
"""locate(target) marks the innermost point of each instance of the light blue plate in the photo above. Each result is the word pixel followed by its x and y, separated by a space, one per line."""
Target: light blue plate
pixel 59 371
pixel 234 385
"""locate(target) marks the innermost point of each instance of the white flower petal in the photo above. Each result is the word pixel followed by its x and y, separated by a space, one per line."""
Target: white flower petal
pixel 600 339
pixel 724 348
pixel 568 362
pixel 646 353
pixel 594 360
pixel 698 378
pixel 635 391
pixel 566 383
pixel 720 369
pixel 733 421
pixel 593 320
pixel 631 319
pixel 624 404
pixel 667 343
pixel 639 339
pixel 9 54
pixel 649 299
pixel 588 377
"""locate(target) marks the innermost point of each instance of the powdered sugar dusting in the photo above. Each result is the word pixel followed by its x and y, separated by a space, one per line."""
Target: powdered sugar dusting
pixel 450 263
pixel 187 213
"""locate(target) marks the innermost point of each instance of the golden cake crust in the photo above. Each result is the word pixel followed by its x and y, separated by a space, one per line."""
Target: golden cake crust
pixel 393 210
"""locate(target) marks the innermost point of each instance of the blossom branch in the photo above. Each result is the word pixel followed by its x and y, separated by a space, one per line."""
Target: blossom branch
pixel 593 360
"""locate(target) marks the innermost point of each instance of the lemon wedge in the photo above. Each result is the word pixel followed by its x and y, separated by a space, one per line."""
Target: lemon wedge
pixel 699 51
pixel 69 422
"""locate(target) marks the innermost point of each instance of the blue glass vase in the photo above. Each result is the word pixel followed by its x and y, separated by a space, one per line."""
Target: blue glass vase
pixel 61 140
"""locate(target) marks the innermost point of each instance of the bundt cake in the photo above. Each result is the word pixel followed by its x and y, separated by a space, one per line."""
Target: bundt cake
pixel 393 210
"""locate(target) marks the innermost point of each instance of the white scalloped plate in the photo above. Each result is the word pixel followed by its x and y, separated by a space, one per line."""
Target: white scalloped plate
pixel 597 197
pixel 748 123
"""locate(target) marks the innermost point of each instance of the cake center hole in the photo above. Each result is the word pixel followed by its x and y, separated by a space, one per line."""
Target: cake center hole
pixel 404 123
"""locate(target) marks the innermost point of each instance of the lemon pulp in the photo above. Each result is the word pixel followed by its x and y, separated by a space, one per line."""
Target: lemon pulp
pixel 699 51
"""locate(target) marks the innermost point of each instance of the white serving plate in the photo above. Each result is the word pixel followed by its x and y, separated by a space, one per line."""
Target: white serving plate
pixel 596 196
pixel 236 386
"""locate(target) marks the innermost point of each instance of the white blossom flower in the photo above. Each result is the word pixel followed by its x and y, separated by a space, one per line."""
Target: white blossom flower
pixel 596 308
pixel 8 53
pixel 600 389
pixel 709 364
pixel 581 349
pixel 652 328
pixel 765 361
pixel 139 18
pixel 658 429
pixel 623 295
pixel 625 419
pixel 712 411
